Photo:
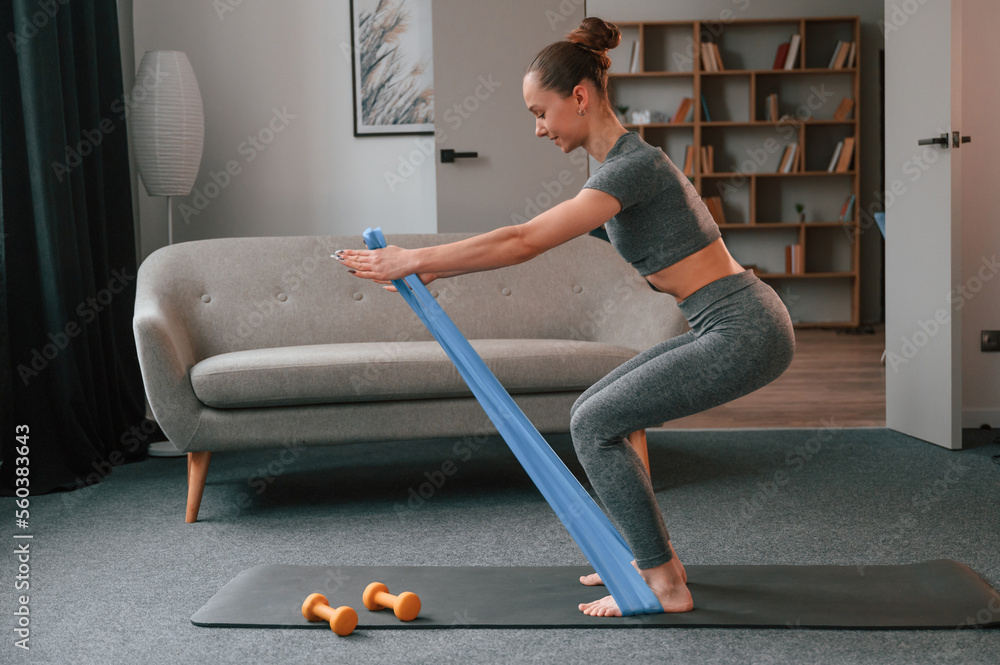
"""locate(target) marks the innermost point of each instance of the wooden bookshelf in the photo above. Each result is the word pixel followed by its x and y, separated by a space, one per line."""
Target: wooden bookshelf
pixel 758 201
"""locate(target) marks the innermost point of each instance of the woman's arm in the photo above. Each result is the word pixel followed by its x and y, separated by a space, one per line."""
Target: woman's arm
pixel 505 246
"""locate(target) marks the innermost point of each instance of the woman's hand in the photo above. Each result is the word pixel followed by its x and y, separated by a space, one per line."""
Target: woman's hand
pixel 381 265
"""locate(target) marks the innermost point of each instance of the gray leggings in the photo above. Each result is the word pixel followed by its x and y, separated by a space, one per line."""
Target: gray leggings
pixel 741 339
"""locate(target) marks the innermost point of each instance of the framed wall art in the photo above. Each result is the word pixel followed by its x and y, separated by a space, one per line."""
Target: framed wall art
pixel 392 68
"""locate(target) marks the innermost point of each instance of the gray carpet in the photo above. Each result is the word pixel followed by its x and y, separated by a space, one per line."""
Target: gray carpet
pixel 116 573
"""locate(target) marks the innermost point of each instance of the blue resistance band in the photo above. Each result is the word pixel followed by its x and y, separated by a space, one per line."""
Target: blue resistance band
pixel 597 538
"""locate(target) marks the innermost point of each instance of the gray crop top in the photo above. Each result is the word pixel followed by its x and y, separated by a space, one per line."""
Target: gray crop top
pixel 663 219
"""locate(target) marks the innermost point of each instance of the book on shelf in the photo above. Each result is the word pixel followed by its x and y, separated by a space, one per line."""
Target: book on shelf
pixel 689 160
pixel 846 153
pixel 711 57
pixel 772 107
pixel 718 57
pixel 793 51
pixel 839 57
pixel 633 63
pixel 780 56
pixel 683 110
pixel 851 55
pixel 707 159
pixel 844 109
pixel 714 205
pixel 704 108
pixel 847 210
pixel 789 160
pixel 836 157
pixel 708 58
pixel 795 260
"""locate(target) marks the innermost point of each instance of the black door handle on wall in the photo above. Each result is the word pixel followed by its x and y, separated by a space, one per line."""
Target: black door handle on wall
pixel 941 140
pixel 448 155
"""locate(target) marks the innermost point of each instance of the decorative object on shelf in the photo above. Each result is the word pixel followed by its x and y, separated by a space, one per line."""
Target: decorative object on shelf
pixel 622 113
pixel 641 117
pixel 800 211
pixel 392 67
pixel 167 132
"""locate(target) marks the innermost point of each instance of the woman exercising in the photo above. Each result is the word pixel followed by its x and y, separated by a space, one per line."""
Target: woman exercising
pixel 741 336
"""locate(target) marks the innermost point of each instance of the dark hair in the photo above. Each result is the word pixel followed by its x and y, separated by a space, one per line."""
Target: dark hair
pixel 583 55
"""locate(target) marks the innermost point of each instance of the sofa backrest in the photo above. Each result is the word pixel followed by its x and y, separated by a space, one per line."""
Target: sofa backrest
pixel 235 294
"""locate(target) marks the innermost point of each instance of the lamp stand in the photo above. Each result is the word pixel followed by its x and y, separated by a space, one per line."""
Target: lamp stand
pixel 165 448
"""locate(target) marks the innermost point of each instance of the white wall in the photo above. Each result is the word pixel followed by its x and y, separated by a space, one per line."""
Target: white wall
pixel 870 13
pixel 314 177
pixel 980 210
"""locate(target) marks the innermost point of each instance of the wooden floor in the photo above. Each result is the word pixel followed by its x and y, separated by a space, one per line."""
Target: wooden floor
pixel 835 377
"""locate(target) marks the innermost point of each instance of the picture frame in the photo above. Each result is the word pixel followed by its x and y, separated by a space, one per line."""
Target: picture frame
pixel 392 67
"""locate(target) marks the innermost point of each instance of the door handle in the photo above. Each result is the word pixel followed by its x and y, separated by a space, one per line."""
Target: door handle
pixel 941 140
pixel 957 141
pixel 448 156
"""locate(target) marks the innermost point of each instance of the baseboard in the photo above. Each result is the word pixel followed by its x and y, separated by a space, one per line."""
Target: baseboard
pixel 975 417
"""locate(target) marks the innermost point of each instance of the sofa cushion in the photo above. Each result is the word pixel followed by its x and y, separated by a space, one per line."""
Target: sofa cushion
pixel 359 372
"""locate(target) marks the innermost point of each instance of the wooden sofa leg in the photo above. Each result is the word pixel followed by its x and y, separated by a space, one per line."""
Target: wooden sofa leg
pixel 197 473
pixel 638 441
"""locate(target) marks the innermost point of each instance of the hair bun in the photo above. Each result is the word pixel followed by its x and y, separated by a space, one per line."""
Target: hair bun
pixel 597 36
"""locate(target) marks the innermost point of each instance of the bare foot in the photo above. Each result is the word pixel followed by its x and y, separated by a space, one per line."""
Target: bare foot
pixel 594 579
pixel 666 585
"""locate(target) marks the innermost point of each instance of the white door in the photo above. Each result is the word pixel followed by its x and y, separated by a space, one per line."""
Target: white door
pixel 481 50
pixel 923 92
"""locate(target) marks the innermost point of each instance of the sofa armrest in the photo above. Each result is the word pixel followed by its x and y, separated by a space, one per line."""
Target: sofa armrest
pixel 166 356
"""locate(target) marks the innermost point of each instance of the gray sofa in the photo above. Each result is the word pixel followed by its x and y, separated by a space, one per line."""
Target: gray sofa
pixel 267 342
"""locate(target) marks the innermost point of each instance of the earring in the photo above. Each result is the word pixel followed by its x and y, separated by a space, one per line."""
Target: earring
pixel 581 112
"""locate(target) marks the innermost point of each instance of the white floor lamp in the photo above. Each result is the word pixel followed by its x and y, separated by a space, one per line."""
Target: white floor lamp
pixel 167 130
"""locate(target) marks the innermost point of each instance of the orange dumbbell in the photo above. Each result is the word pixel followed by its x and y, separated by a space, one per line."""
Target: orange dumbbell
pixel 406 606
pixel 343 620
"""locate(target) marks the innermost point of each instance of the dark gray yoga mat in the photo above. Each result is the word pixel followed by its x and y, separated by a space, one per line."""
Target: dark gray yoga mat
pixel 932 594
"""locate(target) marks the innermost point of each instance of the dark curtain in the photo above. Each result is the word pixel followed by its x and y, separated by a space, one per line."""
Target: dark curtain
pixel 67 247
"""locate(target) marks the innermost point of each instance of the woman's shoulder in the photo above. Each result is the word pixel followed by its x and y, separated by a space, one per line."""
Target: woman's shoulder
pixel 633 148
